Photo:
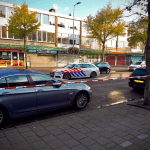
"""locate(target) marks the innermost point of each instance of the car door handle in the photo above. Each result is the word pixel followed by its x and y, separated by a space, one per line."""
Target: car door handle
pixel 40 90
pixel 5 93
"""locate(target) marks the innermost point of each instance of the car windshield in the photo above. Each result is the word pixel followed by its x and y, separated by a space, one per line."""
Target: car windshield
pixel 139 72
pixel 137 63
pixel 70 66
pixel 143 63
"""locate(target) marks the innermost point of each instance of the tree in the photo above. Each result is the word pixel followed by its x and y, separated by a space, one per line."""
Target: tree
pixel 146 9
pixel 138 33
pixel 105 25
pixel 22 23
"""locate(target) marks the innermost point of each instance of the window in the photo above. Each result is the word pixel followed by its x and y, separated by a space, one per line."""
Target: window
pixel 39 18
pixel 21 56
pixel 66 23
pixel 61 22
pixel 50 37
pixel 65 40
pixel 59 40
pixel 77 25
pixel 14 56
pixel 71 24
pixel 77 39
pixel 3 83
pixel 5 56
pixel 38 79
pixel 139 72
pixel 10 35
pixel 39 35
pixel 52 20
pixel 17 80
pixel 44 36
pixel 88 66
pixel 78 66
pixel 2 11
pixel 32 37
pixel 4 32
pixel 45 19
pixel 0 31
pixel 10 11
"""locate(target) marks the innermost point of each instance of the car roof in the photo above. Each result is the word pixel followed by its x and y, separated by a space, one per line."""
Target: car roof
pixel 7 72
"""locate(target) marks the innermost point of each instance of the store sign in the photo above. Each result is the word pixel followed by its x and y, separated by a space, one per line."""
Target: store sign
pixel 53 52
pixel 43 51
pixel 32 51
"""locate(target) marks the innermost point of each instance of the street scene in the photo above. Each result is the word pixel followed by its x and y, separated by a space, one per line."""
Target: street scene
pixel 74 75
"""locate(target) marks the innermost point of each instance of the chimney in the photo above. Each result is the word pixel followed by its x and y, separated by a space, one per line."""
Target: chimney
pixel 52 10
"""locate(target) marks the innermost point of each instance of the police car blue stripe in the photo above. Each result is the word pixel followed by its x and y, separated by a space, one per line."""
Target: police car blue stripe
pixel 83 73
pixel 72 74
pixel 76 74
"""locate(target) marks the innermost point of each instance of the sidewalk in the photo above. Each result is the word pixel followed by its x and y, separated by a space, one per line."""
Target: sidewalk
pixel 114 127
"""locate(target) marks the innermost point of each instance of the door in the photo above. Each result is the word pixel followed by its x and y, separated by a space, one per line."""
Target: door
pixel 120 60
pixel 86 70
pixel 110 60
pixel 19 99
pixel 49 96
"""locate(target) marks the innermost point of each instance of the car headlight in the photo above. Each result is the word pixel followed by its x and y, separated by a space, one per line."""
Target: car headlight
pixel 87 87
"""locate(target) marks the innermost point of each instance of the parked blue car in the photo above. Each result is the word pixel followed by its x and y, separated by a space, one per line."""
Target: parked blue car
pixel 24 93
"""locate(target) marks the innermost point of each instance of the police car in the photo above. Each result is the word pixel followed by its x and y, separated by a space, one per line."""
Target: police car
pixel 76 70
pixel 136 65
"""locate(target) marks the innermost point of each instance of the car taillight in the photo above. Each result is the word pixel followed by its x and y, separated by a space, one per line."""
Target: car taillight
pixel 131 76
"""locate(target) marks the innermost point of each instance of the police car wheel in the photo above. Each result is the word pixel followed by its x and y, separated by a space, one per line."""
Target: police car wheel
pixel 93 74
pixel 81 100
pixel 67 76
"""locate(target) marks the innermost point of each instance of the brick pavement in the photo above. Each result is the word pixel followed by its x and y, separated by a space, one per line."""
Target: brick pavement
pixel 114 127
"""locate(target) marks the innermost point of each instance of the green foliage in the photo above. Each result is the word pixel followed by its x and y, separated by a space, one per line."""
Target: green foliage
pixel 105 25
pixel 22 23
pixel 138 32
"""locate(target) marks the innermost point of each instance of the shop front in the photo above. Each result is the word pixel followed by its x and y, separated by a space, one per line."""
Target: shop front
pixel 11 57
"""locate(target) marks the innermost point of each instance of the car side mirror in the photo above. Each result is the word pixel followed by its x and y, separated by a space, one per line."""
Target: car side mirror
pixel 57 85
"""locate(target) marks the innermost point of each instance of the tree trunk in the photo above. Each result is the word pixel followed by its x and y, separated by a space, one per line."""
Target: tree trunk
pixel 147 50
pixel 103 53
pixel 25 51
pixel 117 43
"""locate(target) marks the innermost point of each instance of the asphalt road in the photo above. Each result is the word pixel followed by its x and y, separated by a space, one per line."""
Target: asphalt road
pixel 104 93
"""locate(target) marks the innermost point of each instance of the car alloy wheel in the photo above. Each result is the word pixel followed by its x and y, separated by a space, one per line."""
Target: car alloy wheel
pixel 108 70
pixel 81 100
pixel 3 116
pixel 67 76
pixel 93 74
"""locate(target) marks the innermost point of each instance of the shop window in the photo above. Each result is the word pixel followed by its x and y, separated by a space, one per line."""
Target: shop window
pixel 45 19
pixel 52 20
pixel 39 18
pixel 44 36
pixel 10 11
pixel 5 56
pixel 14 56
pixel 59 40
pixel 39 35
pixel 4 32
pixel 2 11
pixel 21 56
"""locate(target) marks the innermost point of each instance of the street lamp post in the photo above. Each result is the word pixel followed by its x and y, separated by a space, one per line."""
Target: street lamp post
pixel 73 25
